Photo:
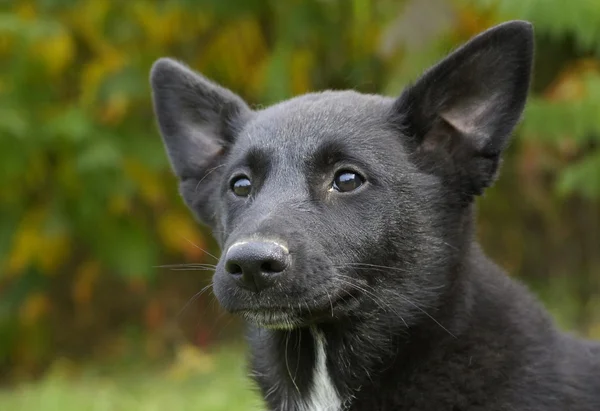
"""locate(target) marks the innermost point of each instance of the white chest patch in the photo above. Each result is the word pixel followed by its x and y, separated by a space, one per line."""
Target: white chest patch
pixel 323 395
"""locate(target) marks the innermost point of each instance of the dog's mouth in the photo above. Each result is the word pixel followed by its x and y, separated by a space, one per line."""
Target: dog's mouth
pixel 301 314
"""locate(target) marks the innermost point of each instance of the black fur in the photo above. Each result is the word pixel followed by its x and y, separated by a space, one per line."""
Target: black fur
pixel 412 314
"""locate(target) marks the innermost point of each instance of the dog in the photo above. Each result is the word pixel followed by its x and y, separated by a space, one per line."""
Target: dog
pixel 347 229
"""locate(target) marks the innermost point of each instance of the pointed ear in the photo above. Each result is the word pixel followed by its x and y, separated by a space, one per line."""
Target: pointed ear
pixel 461 112
pixel 198 121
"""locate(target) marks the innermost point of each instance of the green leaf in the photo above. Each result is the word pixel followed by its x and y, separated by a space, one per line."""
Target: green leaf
pixel 99 155
pixel 72 125
pixel 129 249
pixel 278 87
pixel 13 122
pixel 582 177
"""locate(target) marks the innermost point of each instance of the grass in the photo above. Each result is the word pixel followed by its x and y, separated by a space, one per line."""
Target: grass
pixel 206 383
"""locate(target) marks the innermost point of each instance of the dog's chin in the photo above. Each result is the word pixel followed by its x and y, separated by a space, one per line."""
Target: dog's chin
pixel 288 318
pixel 273 320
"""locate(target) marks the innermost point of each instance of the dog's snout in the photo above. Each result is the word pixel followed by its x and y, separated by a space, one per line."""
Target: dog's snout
pixel 255 264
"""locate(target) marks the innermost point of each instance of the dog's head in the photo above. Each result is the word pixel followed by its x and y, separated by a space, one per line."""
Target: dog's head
pixel 338 203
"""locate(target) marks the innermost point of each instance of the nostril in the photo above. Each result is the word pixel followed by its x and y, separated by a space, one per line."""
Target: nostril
pixel 233 268
pixel 273 266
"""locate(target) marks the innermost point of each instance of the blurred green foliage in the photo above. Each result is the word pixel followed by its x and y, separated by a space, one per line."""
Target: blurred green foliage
pixel 220 385
pixel 88 205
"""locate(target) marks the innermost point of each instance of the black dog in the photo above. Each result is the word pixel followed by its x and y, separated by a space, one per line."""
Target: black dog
pixel 347 228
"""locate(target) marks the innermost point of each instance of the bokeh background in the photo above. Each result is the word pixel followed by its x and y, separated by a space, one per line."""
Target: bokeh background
pixel 90 319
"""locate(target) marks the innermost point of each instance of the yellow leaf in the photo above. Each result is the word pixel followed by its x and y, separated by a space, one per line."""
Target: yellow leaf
pixel 148 182
pixel 34 308
pixel 246 49
pixel 87 19
pixel 162 27
pixel 472 21
pixel 56 52
pixel 301 65
pixel 94 73
pixel 25 10
pixel 179 233
pixel 118 204
pixel 115 109
pixel 33 245
pixel 6 43
pixel 56 251
pixel 26 244
pixel 189 361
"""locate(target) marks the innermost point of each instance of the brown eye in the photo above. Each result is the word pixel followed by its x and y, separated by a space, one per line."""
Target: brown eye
pixel 346 181
pixel 241 186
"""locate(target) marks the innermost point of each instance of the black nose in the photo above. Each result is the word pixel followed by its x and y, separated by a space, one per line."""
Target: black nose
pixel 255 264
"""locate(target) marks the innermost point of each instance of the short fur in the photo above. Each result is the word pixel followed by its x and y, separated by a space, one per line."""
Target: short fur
pixel 388 303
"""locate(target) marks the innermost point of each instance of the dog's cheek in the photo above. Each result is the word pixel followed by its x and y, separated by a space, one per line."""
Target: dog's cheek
pixel 224 290
pixel 354 230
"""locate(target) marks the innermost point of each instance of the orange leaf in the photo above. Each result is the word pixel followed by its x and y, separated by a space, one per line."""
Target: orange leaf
pixel 472 22
pixel 85 279
pixel 570 83
pixel 155 315
pixel 115 109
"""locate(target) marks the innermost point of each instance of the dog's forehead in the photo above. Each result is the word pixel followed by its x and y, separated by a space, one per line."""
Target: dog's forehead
pixel 304 123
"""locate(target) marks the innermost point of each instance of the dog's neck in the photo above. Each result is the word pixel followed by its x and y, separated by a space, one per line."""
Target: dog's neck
pixel 325 367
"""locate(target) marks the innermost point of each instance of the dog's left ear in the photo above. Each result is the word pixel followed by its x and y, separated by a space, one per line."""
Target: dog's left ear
pixel 199 121
pixel 461 112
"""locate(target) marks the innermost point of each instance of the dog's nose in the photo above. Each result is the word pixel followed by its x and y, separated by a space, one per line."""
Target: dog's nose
pixel 255 264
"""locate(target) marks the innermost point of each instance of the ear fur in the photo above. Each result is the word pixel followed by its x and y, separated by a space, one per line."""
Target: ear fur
pixel 462 111
pixel 197 118
pixel 198 121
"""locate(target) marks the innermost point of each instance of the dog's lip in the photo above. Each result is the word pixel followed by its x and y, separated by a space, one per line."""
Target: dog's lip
pixel 329 305
pixel 271 318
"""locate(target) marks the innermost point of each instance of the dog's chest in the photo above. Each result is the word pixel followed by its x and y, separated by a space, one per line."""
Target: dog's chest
pixel 322 395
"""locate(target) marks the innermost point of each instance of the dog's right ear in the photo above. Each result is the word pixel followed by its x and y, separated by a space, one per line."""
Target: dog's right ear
pixel 198 121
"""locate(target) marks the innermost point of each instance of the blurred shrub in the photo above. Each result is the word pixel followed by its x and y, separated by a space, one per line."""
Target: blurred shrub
pixel 88 206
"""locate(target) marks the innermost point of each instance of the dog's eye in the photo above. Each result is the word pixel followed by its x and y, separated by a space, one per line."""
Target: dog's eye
pixel 346 181
pixel 241 186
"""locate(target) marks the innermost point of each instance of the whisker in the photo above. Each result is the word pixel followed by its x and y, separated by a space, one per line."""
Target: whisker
pixel 427 314
pixel 194 298
pixel 186 265
pixel 207 174
pixel 374 266
pixel 193 269
pixel 299 340
pixel 201 249
pixel 287 364
pixel 330 302
pixel 365 265
pixel 375 298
